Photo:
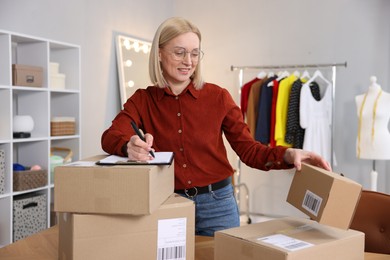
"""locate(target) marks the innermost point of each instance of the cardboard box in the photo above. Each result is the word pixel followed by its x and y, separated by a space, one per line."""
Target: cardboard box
pixel 84 187
pixel 288 239
pixel 23 75
pixel 204 248
pixel 168 233
pixel 324 196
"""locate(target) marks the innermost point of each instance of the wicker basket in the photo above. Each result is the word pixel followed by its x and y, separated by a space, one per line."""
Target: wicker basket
pixel 62 126
pixel 57 159
pixel 27 180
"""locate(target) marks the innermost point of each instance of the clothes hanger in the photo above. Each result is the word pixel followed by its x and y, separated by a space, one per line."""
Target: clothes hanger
pixel 318 74
pixel 283 75
pixel 305 75
pixel 297 74
pixel 270 75
pixel 261 75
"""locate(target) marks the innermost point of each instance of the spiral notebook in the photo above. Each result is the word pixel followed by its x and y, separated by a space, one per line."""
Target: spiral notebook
pixel 161 158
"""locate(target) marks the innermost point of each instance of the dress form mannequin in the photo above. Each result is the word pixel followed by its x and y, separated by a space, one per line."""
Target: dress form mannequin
pixel 373 141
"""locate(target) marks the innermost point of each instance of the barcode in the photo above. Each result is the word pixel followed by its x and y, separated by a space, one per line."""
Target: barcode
pixel 296 245
pixel 312 202
pixel 171 253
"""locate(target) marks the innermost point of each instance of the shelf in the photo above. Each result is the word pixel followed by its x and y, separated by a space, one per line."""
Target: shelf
pixel 41 103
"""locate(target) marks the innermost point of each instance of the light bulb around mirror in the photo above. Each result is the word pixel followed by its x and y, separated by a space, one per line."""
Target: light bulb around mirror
pixel 130 83
pixel 128 63
pixel 127 44
pixel 145 48
pixel 136 46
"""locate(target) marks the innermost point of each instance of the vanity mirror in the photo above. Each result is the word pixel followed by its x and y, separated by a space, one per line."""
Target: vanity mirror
pixel 133 65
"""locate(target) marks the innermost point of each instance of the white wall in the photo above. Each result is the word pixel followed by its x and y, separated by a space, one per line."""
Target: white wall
pixel 250 32
pixel 264 32
pixel 92 25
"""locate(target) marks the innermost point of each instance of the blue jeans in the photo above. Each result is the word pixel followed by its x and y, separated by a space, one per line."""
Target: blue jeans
pixel 215 210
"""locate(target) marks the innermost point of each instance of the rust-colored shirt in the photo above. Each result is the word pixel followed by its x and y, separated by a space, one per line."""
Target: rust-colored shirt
pixel 191 125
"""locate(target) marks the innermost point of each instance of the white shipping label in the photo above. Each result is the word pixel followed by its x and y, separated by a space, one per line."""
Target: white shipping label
pixel 171 239
pixel 312 202
pixel 286 242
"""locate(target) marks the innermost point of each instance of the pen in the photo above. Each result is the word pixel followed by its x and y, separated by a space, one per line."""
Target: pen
pixel 138 132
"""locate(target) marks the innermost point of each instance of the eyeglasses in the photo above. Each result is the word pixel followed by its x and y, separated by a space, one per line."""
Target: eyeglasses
pixel 179 54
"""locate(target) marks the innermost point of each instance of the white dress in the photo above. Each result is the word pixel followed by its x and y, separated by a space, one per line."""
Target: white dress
pixel 316 119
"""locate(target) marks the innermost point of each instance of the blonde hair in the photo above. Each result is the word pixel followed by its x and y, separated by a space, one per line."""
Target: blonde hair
pixel 168 30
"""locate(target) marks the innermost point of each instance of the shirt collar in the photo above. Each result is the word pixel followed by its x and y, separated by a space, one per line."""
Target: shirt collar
pixel 190 89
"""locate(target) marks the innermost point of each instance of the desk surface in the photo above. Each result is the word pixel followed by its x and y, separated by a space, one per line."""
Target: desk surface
pixel 44 246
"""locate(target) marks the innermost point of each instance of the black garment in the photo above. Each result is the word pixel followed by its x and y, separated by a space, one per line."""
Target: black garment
pixel 263 124
pixel 294 132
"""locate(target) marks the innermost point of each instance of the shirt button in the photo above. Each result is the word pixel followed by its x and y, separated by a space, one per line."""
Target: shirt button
pixel 181 149
pixel 184 165
pixel 189 182
pixel 176 97
pixel 178 114
pixel 179 131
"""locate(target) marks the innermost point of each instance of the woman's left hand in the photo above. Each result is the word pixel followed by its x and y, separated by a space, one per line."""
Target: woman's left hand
pixel 297 156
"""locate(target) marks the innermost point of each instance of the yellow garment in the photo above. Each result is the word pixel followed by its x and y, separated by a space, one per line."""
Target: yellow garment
pixel 282 108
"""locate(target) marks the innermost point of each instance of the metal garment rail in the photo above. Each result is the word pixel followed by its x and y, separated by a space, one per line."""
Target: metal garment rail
pixel 333 66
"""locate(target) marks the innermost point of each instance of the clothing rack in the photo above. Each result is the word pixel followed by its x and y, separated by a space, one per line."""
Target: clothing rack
pixel 333 66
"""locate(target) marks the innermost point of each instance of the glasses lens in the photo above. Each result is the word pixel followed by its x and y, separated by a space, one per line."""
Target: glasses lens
pixel 180 54
pixel 200 54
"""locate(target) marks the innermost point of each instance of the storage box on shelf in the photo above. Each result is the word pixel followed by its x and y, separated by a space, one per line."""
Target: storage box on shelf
pixel 62 126
pixel 36 94
pixel 29 179
pixel 29 215
pixel 57 79
pixel 24 75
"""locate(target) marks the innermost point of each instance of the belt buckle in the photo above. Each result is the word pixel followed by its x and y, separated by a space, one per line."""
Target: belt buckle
pixel 187 193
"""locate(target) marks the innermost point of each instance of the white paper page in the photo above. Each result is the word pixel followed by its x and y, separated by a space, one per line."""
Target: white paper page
pixel 160 157
pixel 81 164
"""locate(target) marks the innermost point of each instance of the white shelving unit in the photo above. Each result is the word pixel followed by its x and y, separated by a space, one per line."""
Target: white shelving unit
pixel 42 103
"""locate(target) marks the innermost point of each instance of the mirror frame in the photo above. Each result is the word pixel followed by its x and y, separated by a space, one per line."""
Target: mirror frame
pixel 131 76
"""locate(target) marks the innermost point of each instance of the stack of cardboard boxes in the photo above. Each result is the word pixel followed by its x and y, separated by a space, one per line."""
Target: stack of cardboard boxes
pixel 330 201
pixel 122 212
pixel 131 212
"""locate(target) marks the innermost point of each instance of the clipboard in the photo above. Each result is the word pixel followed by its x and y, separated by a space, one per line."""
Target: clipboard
pixel 161 158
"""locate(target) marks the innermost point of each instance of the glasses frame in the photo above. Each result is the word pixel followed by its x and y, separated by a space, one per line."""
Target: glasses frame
pixel 180 53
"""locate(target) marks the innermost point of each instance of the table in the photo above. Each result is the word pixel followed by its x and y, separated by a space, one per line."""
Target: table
pixel 44 246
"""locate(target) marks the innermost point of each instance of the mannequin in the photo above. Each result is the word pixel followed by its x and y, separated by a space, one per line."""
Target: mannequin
pixel 373 141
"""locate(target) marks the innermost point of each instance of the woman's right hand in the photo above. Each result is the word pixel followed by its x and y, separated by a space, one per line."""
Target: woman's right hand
pixel 138 150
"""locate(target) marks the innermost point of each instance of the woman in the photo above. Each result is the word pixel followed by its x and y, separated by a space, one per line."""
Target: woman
pixel 183 114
